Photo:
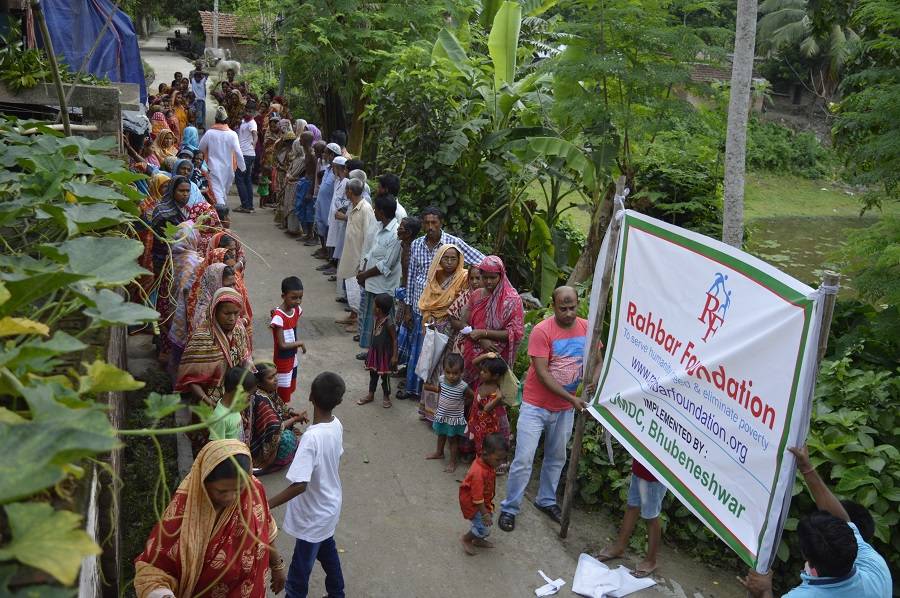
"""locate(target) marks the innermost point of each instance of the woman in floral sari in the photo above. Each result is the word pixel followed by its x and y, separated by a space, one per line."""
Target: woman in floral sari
pixel 186 261
pixel 497 318
pixel 157 120
pixel 216 537
pixel 219 343
pixel 446 280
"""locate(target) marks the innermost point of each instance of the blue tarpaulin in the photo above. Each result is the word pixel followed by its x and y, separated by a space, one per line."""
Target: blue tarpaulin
pixel 76 24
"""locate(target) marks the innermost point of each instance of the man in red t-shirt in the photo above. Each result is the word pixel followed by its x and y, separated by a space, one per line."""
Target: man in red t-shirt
pixel 557 350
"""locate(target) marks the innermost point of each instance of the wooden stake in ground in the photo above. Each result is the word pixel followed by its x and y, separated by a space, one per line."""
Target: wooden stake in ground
pixel 615 226
pixel 54 66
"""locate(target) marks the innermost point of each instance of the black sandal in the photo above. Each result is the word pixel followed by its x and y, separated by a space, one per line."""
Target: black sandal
pixel 507 521
pixel 551 511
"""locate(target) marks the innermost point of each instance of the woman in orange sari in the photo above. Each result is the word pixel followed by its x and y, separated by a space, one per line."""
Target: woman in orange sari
pixel 216 538
pixel 164 145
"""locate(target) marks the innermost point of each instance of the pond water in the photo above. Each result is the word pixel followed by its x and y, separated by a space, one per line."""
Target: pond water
pixel 804 247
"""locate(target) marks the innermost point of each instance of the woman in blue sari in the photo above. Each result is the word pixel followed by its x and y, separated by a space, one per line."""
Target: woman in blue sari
pixel 190 138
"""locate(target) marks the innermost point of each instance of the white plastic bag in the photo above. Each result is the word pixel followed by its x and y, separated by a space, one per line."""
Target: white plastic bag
pixel 432 348
pixel 595 580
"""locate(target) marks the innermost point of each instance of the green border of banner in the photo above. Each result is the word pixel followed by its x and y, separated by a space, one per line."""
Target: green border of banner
pixel 782 290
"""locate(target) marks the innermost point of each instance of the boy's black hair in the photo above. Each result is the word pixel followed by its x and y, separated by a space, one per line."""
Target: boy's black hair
pixel 222 212
pixel 494 365
pixel 235 376
pixel 827 543
pixel 327 391
pixel 454 361
pixel 355 164
pixel 861 518
pixel 494 443
pixel 261 370
pixel 291 283
pixel 227 470
pixel 228 271
pixel 226 241
pixel 384 302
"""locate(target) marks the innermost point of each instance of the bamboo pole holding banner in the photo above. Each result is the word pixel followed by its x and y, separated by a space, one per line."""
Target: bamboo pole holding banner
pixel 828 288
pixel 615 227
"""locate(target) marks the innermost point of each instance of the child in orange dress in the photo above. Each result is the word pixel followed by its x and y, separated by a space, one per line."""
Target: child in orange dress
pixel 484 418
pixel 476 493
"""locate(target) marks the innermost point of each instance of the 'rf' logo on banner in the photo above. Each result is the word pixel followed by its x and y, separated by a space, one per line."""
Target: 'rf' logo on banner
pixel 718 300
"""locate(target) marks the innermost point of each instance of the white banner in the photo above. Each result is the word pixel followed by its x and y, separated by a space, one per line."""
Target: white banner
pixel 706 375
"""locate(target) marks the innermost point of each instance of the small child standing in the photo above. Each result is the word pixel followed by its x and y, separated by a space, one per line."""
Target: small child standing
pixel 450 418
pixel 476 493
pixel 284 332
pixel 645 496
pixel 484 416
pixel 315 492
pixel 381 358
pixel 227 424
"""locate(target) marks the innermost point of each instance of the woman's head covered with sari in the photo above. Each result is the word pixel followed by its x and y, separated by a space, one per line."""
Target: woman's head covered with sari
pixel 213 536
pixel 190 138
pixel 164 145
pixel 218 343
pixel 158 185
pixel 498 305
pixel 437 297
pixel 210 278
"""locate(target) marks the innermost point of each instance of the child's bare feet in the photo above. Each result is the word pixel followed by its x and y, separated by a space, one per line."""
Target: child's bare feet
pixel 451 467
pixel 468 546
pixel 482 543
pixel 435 455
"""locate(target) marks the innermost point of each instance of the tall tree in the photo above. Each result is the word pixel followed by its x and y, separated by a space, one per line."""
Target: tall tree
pixel 738 115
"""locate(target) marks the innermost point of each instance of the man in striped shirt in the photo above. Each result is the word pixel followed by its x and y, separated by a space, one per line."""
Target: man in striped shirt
pixel 421 254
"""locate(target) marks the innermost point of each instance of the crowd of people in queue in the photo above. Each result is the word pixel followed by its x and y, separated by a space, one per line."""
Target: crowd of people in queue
pixel 400 290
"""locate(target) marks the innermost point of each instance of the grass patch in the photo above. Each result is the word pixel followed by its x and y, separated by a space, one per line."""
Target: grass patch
pixel 771 196
pixel 140 476
pixel 766 195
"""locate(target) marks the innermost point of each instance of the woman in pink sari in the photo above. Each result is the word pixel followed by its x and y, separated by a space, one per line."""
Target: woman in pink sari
pixel 497 318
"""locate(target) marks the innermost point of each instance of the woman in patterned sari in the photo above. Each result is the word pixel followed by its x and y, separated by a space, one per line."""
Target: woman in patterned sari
pixel 446 280
pixel 270 423
pixel 217 536
pixel 157 188
pixel 164 145
pixel 219 343
pixel 186 261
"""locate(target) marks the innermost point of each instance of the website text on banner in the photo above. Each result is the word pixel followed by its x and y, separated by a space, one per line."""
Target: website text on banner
pixel 705 376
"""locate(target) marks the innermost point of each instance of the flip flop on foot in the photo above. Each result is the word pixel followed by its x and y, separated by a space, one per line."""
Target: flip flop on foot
pixel 450 469
pixel 481 543
pixel 365 401
pixel 644 570
pixel 386 403
pixel 608 554
pixel 468 547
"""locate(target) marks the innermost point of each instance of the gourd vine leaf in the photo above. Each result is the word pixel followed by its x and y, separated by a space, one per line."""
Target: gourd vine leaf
pixel 105 377
pixel 109 308
pixel 104 260
pixel 48 540
pixel 159 406
pixel 10 326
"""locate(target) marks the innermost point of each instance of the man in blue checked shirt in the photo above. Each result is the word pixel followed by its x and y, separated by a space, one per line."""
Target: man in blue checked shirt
pixel 421 254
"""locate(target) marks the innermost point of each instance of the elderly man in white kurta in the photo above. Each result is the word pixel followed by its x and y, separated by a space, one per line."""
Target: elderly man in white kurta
pixel 359 218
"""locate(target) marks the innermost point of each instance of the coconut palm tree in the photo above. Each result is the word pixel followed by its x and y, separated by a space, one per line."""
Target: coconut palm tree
pixel 821 31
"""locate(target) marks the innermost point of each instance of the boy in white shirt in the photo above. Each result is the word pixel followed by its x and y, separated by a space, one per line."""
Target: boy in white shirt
pixel 315 492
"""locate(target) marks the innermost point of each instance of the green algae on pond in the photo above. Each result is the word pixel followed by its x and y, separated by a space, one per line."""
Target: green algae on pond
pixel 804 247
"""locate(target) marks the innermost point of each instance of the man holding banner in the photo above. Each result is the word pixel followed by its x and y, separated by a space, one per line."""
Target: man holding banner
pixel 557 350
